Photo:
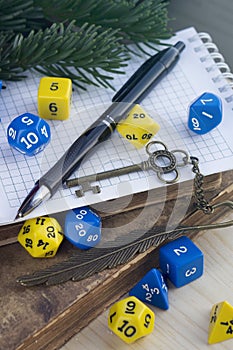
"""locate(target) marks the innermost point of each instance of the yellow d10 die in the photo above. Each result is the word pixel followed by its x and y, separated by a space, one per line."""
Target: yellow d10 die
pixel 54 98
pixel 131 319
pixel 138 127
pixel 41 236
pixel 221 322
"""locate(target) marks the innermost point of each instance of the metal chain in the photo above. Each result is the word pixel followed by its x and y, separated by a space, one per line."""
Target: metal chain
pixel 201 201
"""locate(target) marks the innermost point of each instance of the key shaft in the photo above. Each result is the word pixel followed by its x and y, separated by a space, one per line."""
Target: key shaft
pixel 108 174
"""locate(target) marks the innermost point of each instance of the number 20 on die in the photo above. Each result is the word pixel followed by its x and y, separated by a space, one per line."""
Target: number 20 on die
pixel 54 98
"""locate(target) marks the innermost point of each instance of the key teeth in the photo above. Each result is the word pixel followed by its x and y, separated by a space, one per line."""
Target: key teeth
pixel 96 189
pixel 79 193
pixel 87 187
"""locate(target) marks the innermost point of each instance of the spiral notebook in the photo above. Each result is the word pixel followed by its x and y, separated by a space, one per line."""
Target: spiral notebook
pixel 201 68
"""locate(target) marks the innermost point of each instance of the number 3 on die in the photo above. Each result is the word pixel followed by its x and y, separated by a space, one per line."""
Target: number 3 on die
pixel 54 98
pixel 181 261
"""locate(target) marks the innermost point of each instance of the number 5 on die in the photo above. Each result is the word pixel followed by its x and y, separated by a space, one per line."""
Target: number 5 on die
pixel 54 98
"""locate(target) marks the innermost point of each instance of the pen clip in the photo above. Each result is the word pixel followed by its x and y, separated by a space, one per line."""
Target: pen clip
pixel 161 56
pixel 135 78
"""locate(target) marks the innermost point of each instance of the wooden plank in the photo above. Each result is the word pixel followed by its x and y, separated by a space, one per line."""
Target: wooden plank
pixel 46 317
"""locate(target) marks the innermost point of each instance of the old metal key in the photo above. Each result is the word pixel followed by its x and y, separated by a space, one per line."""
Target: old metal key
pixel 162 161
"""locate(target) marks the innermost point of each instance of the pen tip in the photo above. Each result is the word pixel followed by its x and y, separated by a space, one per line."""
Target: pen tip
pixel 18 215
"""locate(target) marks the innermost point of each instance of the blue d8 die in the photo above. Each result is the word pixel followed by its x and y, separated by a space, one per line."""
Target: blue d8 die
pixel 28 133
pixel 83 227
pixel 152 289
pixel 181 261
pixel 205 113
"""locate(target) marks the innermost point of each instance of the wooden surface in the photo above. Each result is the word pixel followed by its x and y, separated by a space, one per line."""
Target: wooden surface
pixel 47 317
pixel 185 324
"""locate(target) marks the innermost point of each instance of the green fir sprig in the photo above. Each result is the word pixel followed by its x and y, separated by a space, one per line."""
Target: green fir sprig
pixel 85 40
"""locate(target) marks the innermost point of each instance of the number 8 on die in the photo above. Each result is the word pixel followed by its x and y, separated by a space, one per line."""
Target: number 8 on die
pixel 181 261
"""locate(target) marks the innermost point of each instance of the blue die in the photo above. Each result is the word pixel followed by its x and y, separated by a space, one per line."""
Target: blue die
pixel 152 289
pixel 83 227
pixel 205 113
pixel 28 133
pixel 181 261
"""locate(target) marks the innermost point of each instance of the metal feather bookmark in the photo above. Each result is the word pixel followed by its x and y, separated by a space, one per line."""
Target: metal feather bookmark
pixel 86 263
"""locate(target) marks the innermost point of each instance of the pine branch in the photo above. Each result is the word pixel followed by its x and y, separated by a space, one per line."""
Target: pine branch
pixel 42 35
pixel 79 53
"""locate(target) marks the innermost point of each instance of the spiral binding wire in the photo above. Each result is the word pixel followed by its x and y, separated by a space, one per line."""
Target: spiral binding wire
pixel 225 76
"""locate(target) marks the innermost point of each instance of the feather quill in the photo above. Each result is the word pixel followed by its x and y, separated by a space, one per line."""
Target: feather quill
pixel 86 263
pixel 121 250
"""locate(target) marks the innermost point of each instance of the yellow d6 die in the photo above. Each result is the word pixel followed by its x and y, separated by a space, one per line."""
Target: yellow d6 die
pixel 41 236
pixel 221 322
pixel 138 127
pixel 131 319
pixel 54 98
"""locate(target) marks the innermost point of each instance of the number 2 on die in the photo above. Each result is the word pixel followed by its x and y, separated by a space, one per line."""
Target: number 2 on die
pixel 181 261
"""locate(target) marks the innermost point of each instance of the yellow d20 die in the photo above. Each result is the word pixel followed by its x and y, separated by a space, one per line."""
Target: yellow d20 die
pixel 54 98
pixel 41 236
pixel 138 128
pixel 131 319
pixel 221 322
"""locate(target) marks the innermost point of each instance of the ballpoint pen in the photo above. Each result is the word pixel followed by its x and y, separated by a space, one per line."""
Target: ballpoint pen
pixel 132 92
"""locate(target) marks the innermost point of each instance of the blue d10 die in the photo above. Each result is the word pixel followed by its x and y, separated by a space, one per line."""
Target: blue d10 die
pixel 83 227
pixel 205 113
pixel 181 261
pixel 152 289
pixel 28 133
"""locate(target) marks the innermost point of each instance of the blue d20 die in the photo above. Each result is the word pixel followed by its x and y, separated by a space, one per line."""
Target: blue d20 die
pixel 205 113
pixel 28 133
pixel 181 261
pixel 83 227
pixel 152 289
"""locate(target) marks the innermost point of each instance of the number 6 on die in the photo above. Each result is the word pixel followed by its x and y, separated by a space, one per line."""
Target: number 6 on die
pixel 54 98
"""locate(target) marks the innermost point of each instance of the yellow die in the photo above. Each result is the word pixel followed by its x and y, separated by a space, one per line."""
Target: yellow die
pixel 131 319
pixel 54 98
pixel 221 322
pixel 138 127
pixel 41 236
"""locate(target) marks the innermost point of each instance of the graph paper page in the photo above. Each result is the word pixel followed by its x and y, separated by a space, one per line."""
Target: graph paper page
pixel 168 104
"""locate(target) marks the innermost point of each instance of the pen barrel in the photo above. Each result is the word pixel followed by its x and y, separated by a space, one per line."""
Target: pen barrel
pixel 149 74
pixel 98 132
pixel 146 82
pixel 72 158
